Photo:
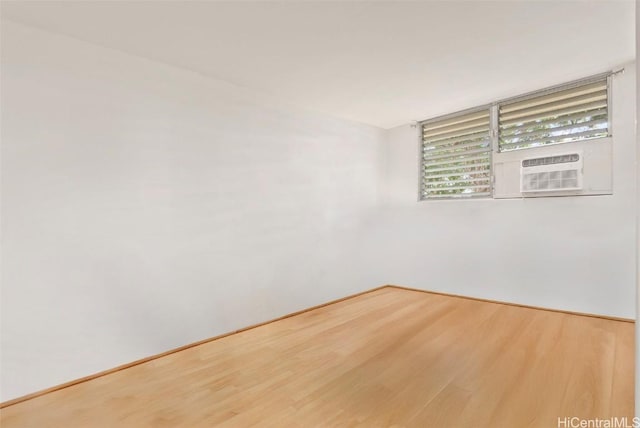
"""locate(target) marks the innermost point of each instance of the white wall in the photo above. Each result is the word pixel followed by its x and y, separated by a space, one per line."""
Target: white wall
pixel 146 207
pixel 572 253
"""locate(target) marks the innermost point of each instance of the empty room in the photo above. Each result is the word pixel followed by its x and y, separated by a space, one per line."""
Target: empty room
pixel 319 214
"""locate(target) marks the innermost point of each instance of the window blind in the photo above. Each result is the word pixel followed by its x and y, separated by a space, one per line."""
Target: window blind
pixel 564 115
pixel 456 156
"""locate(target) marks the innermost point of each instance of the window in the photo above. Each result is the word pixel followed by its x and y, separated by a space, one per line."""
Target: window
pixel 460 151
pixel 456 156
pixel 571 113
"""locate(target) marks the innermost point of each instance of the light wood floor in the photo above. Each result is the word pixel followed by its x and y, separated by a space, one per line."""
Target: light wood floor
pixel 387 358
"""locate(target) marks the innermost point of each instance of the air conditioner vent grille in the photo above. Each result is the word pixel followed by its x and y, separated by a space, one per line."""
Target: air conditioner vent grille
pixel 561 172
pixel 554 180
pixel 550 160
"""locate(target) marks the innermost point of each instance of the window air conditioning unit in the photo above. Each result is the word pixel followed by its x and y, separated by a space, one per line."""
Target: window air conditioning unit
pixel 561 172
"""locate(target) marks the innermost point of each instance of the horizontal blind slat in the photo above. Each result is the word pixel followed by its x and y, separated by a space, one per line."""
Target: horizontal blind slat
pixel 430 188
pixel 483 134
pixel 458 162
pixel 436 181
pixel 572 109
pixel 429 136
pixel 594 133
pixel 455 120
pixel 597 113
pixel 461 167
pixel 453 128
pixel 457 195
pixel 556 105
pixel 528 134
pixel 453 155
pixel 436 151
pixel 555 96
pixel 458 173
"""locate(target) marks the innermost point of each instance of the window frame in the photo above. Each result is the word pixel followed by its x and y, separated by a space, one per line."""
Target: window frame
pixel 494 128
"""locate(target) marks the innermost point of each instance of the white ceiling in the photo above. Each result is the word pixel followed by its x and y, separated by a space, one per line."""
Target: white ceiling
pixel 381 63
